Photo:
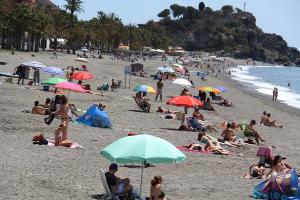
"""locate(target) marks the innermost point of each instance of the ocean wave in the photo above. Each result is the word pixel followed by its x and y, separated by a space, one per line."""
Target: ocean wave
pixel 285 95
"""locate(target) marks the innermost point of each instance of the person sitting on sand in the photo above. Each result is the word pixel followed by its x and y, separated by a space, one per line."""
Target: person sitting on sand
pixel 117 185
pixel 278 166
pixel 185 92
pixel 155 190
pixel 47 103
pixel 256 171
pixel 40 110
pixel 269 122
pixel 215 97
pixel 198 115
pixel 250 131
pixel 61 133
pixel 263 118
pixel 196 125
pixel 142 102
pixel 101 106
pixel 114 85
pixel 228 134
pixel 207 105
pixel 85 87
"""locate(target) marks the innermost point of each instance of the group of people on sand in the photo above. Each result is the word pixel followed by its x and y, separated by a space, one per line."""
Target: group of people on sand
pixel 267 121
pixel 122 187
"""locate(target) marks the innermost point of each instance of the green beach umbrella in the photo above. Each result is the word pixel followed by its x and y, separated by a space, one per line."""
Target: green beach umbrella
pixel 142 149
pixel 53 81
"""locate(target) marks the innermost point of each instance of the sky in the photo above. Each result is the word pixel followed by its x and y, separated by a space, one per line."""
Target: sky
pixel 272 16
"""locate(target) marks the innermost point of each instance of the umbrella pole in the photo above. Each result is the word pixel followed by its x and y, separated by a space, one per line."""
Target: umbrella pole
pixel 68 94
pixel 141 180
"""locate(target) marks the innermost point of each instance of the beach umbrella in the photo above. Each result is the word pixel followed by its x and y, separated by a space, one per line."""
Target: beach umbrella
pixel 142 149
pixel 209 89
pixel 178 66
pixel 81 60
pixel 53 81
pixel 82 76
pixel 70 87
pixel 221 88
pixel 34 64
pixel 144 88
pixel 185 101
pixel 182 82
pixel 53 70
pixel 165 69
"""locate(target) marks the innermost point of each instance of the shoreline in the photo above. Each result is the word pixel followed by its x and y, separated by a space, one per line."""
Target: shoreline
pixel 267 99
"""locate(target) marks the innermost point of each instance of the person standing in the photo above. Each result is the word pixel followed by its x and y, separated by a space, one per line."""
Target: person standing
pixel 61 133
pixel 160 85
pixel 276 94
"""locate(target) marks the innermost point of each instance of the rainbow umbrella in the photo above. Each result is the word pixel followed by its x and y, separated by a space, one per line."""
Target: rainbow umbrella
pixel 221 88
pixel 209 89
pixel 144 88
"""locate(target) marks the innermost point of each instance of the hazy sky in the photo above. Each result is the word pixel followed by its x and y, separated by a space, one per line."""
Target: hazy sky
pixel 273 16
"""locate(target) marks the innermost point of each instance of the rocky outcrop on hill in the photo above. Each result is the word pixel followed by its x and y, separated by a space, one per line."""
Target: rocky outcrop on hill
pixel 229 32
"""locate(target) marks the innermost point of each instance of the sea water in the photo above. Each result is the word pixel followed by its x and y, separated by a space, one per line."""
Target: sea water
pixel 263 79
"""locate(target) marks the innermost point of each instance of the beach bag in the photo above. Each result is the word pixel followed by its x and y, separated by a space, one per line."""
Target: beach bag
pixel 48 120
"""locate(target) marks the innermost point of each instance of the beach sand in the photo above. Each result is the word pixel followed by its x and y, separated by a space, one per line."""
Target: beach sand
pixel 30 171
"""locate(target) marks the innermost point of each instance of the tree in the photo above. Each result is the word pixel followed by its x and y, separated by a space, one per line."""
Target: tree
pixel 201 6
pixel 227 9
pixel 190 13
pixel 73 6
pixel 177 10
pixel 164 14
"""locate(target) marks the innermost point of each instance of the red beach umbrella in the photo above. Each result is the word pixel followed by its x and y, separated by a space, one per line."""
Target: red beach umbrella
pixel 82 76
pixel 185 101
pixel 70 87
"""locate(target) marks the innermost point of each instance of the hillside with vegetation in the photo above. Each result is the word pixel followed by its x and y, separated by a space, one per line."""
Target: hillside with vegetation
pixel 228 31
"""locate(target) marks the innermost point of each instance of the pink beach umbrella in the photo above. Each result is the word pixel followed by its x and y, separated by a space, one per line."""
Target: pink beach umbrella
pixel 70 87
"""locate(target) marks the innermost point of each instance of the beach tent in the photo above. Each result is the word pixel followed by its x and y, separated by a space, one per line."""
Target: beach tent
pixel 95 117
pixel 272 188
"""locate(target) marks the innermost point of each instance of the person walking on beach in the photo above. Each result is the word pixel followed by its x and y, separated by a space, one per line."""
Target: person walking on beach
pixel 160 85
pixel 275 94
pixel 289 84
pixel 61 133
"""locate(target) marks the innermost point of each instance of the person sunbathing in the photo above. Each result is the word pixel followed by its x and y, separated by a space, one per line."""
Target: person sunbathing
pixel 211 143
pixel 164 110
pixel 250 131
pixel 278 165
pixel 198 115
pixel 256 171
pixel 155 190
pixel 228 134
pixel 40 110
pixel 269 122
pixel 207 105
pixel 226 103
pixel 185 128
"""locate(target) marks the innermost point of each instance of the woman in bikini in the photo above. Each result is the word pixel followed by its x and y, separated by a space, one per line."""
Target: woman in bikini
pixel 61 133
pixel 155 191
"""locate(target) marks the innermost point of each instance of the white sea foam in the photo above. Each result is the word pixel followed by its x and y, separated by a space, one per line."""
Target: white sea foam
pixel 285 95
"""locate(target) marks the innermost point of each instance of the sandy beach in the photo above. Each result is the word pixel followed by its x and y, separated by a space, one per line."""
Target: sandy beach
pixel 30 171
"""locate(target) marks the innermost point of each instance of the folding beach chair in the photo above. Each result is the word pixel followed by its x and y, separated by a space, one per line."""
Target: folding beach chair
pixel 107 195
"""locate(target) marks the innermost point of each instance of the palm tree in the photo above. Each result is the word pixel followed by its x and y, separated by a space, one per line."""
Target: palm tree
pixel 73 6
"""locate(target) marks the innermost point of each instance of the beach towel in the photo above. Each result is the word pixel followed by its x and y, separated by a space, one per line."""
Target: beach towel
pixel 74 145
pixel 183 148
